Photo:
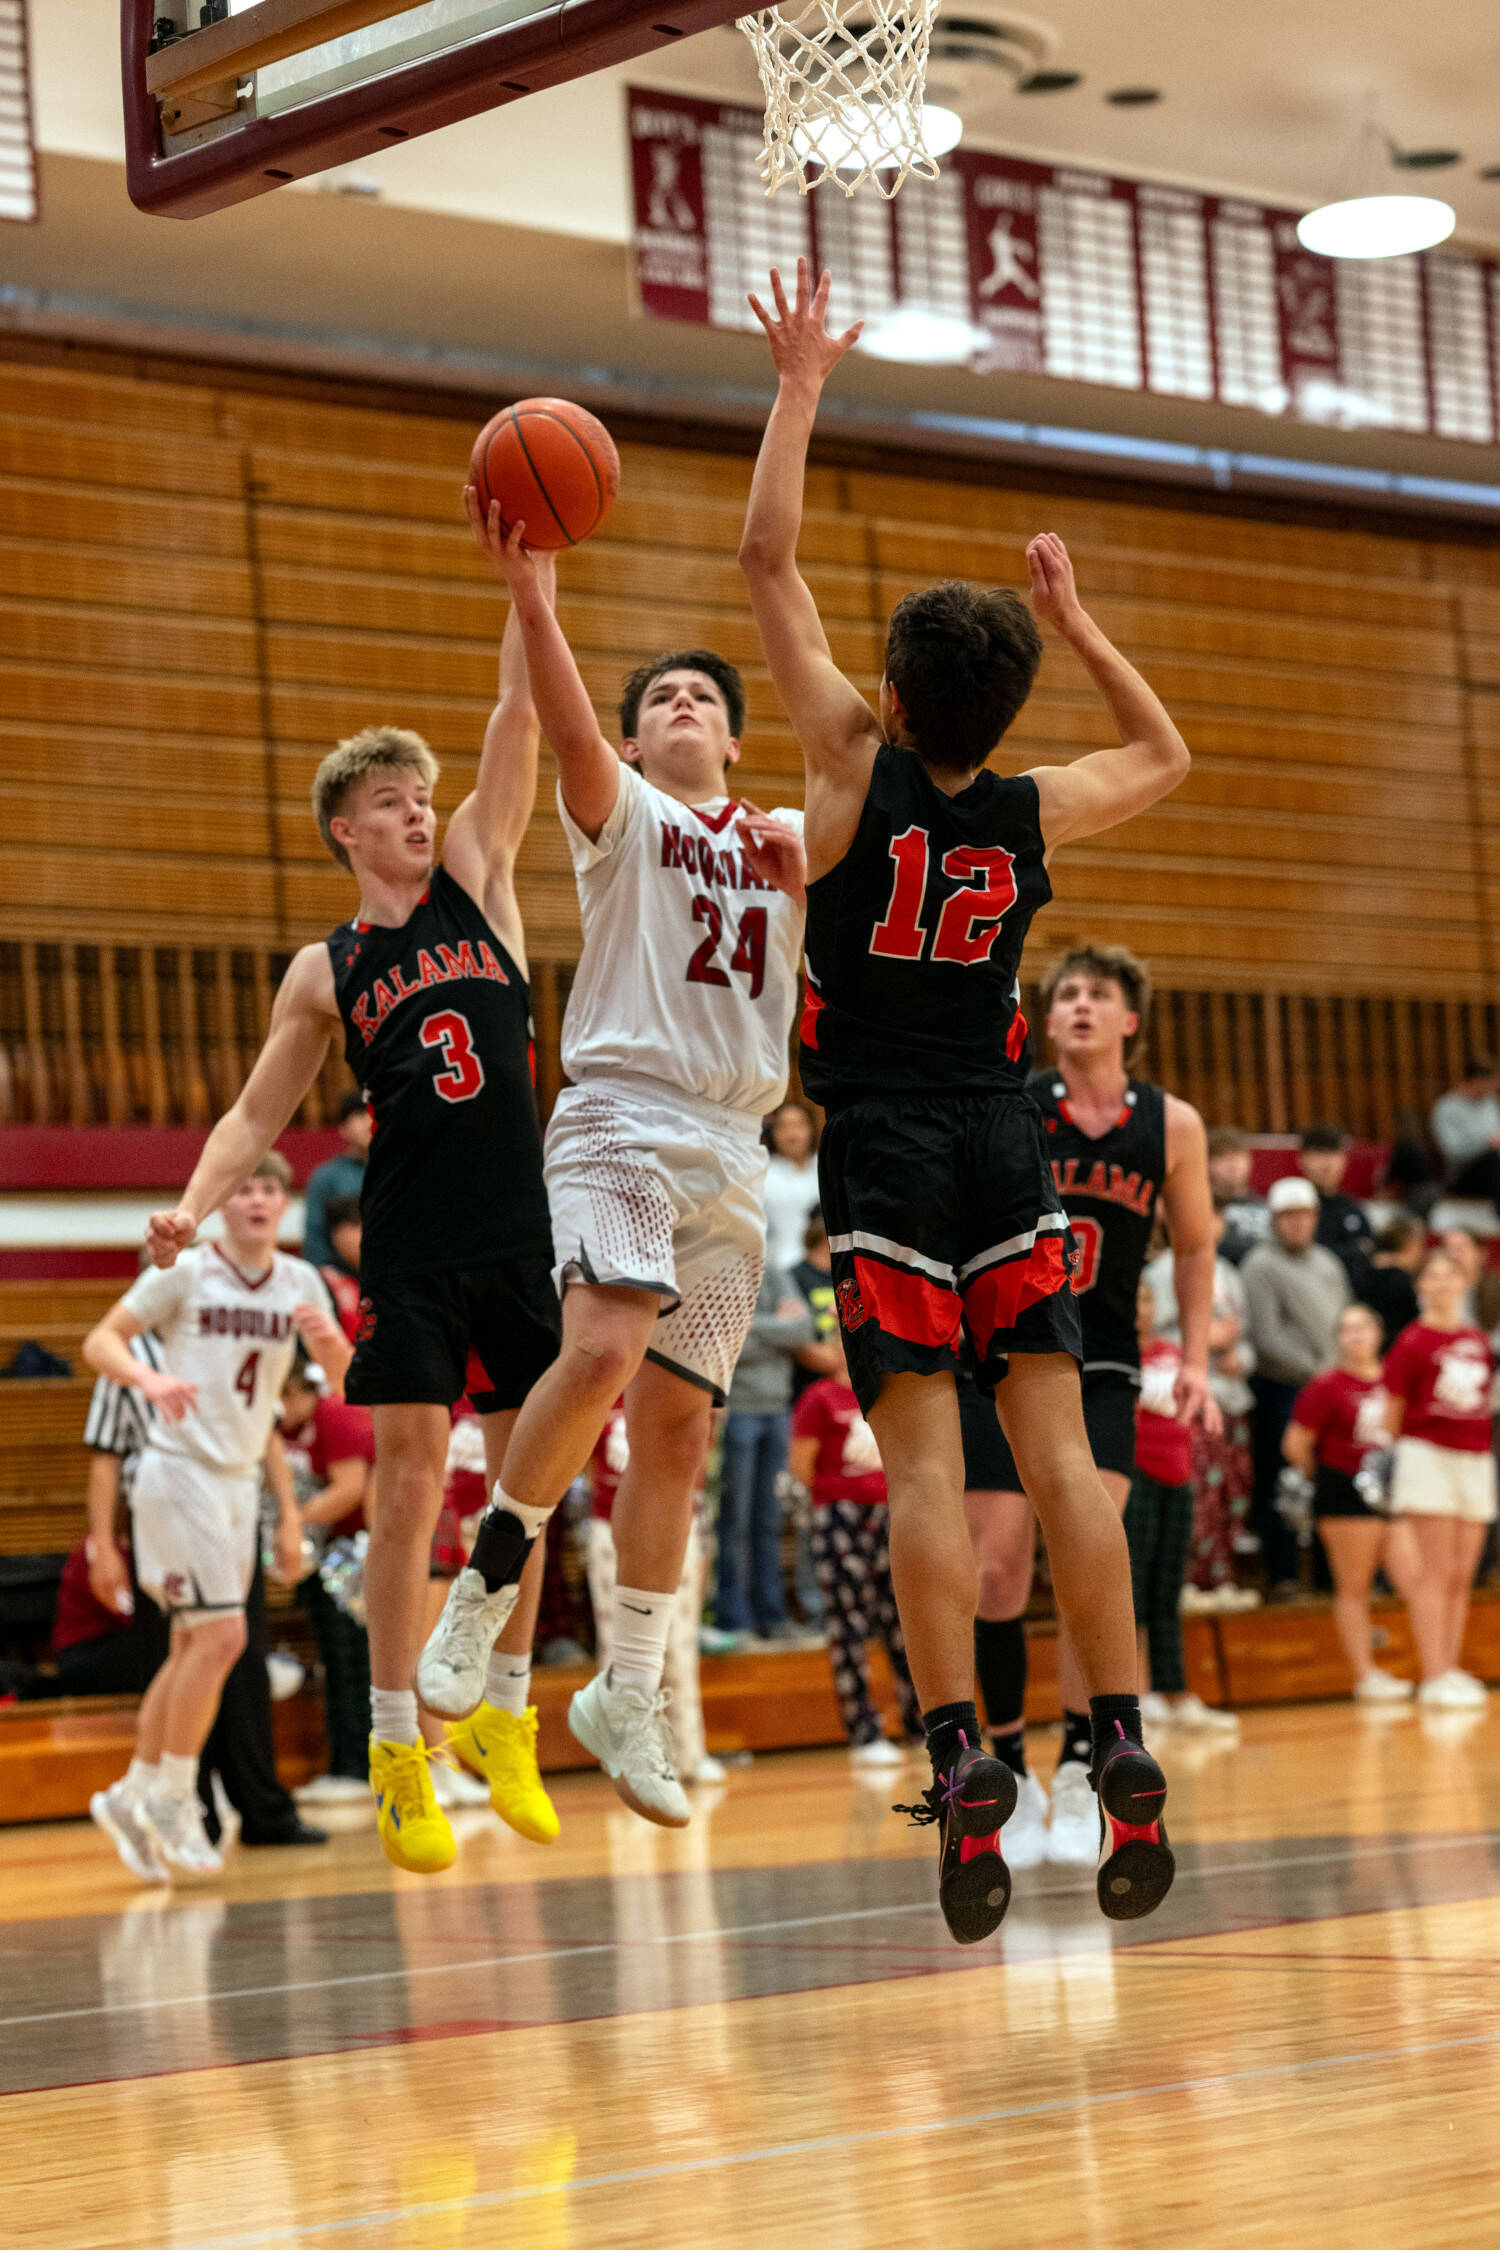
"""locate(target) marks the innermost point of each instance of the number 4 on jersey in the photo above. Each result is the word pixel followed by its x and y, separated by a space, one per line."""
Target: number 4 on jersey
pixel 970 920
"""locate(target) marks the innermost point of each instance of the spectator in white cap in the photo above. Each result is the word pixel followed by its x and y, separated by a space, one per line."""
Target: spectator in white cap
pixel 1295 1291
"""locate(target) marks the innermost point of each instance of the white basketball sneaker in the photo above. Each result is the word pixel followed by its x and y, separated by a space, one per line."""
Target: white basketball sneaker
pixel 627 1732
pixel 1026 1829
pixel 1073 1838
pixel 877 1756
pixel 1191 1711
pixel 451 1669
pixel 1382 1687
pixel 177 1825
pixel 117 1813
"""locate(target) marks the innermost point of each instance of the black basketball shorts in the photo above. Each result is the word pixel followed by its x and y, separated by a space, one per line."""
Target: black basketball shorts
pixel 1109 1401
pixel 945 1226
pixel 426 1339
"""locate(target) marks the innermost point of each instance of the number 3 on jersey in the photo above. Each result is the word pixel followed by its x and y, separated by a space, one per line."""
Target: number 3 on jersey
pixel 464 1075
pixel 970 920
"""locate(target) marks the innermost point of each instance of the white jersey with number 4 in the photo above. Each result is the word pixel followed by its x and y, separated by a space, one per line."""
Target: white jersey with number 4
pixel 690 962
pixel 232 1335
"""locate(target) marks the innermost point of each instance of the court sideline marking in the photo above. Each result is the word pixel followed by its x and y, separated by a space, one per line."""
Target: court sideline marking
pixel 777 2150
pixel 1389 1846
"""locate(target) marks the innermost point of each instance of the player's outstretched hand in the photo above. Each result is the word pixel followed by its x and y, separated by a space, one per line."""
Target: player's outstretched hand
pixel 172 1398
pixel 508 553
pixel 801 347
pixel 315 1326
pixel 167 1233
pixel 773 850
pixel 1054 596
pixel 1195 1401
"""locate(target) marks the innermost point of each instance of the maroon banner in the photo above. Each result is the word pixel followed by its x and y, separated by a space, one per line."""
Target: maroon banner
pixel 1065 271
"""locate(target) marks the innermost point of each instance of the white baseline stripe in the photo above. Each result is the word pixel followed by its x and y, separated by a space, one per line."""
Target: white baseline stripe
pixel 1050 1222
pixel 896 1251
pixel 1082 1888
pixel 777 2151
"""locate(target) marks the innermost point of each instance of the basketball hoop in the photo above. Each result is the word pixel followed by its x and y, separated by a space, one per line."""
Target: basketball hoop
pixel 843 82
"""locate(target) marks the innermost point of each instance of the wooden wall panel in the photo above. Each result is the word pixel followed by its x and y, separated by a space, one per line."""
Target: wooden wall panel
pixel 203 586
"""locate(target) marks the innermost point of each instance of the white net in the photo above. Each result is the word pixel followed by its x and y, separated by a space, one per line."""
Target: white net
pixel 843 82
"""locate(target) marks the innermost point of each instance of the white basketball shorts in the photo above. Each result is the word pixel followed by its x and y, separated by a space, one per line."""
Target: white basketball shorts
pixel 1439 1480
pixel 194 1531
pixel 652 1190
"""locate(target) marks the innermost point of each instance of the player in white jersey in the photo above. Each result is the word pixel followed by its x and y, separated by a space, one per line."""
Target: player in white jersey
pixel 676 1039
pixel 227 1317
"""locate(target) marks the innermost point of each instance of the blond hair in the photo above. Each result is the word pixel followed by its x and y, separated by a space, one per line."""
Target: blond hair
pixel 273 1166
pixel 373 750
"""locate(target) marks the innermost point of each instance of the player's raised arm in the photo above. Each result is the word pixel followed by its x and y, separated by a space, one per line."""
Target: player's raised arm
pixel 588 767
pixel 302 1020
pixel 838 731
pixel 1107 786
pixel 485 833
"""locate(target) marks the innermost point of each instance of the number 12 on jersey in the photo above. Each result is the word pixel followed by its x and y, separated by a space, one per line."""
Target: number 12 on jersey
pixel 970 919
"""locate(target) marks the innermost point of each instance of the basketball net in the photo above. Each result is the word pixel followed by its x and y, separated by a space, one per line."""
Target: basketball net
pixel 843 81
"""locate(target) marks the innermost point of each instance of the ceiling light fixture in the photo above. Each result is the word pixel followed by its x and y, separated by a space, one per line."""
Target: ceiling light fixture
pixel 1362 219
pixel 854 143
pixel 921 336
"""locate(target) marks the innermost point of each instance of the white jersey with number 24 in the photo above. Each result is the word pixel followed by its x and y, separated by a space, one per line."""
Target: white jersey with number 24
pixel 690 962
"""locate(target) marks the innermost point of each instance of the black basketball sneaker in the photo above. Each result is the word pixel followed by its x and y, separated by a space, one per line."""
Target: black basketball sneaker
pixel 1136 1866
pixel 972 1801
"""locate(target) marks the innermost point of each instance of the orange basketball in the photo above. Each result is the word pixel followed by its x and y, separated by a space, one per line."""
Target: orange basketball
pixel 551 465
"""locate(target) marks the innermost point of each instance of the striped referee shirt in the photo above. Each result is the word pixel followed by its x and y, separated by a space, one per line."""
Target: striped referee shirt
pixel 120 1417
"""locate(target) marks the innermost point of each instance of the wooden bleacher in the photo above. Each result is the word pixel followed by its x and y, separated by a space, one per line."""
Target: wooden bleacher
pixel 43 1465
pixel 204 584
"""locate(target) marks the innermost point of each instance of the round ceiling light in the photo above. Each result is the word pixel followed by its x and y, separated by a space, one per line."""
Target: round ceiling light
pixel 849 143
pixel 1133 97
pixel 920 336
pixel 1376 226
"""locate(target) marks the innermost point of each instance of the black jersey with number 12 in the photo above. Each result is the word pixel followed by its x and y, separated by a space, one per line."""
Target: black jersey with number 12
pixel 437 1029
pixel 914 939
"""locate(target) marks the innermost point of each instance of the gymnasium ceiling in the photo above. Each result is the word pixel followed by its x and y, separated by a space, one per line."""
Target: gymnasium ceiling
pixel 501 239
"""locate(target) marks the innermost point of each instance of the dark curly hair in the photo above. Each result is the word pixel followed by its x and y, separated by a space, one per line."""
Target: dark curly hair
pixel 962 658
pixel 717 668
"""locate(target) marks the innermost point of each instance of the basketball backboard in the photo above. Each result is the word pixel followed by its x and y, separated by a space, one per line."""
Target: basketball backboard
pixel 277 90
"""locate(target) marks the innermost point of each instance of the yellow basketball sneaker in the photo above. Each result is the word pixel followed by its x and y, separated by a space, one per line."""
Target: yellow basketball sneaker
pixel 502 1748
pixel 414 1831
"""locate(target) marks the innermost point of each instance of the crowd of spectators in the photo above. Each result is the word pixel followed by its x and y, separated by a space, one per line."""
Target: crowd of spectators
pixel 1323 1307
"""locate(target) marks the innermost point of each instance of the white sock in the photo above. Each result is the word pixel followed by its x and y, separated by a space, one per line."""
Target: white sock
pixel 640 1646
pixel 140 1775
pixel 507 1683
pixel 393 1715
pixel 179 1776
pixel 532 1520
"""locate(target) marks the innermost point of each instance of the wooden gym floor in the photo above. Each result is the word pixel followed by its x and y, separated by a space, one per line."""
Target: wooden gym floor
pixel 757 2031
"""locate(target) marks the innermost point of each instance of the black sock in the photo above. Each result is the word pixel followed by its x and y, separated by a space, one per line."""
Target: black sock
pixel 1109 1716
pixel 1000 1661
pixel 1010 1749
pixel 1078 1739
pixel 500 1549
pixel 943 1726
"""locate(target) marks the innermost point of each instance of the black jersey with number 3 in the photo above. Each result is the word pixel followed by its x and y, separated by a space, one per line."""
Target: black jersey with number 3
pixel 914 939
pixel 437 1029
pixel 1109 1186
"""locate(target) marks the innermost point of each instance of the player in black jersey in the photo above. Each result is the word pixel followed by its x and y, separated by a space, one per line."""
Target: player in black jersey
pixel 427 990
pixel 925 869
pixel 1120 1148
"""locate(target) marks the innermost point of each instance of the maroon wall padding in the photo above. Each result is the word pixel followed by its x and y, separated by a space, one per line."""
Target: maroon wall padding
pixel 57 1158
